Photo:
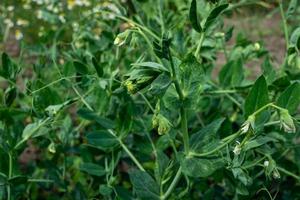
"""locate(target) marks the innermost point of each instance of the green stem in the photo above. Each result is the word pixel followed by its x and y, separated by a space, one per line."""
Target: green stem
pixel 33 180
pixel 255 163
pixel 147 102
pixel 162 23
pixel 288 173
pixel 224 49
pixel 199 44
pixel 285 29
pixel 184 126
pixel 10 165
pixel 173 184
pixel 228 140
pixel 220 92
pixel 272 123
pixel 262 108
pixel 133 158
pixel 82 98
pixel 184 130
pixel 246 138
pixel 149 44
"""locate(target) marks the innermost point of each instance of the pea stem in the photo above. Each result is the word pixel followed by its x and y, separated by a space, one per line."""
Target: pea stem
pixel 284 21
pixel 199 44
pixel 10 165
pixel 173 184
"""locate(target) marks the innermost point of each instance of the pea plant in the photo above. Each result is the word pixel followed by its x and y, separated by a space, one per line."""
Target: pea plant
pixel 128 101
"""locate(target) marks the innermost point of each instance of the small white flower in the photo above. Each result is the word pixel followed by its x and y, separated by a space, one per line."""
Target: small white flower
pixel 39 14
pixel 55 10
pixel 75 26
pixel 237 149
pixel 27 6
pixel 248 124
pixel 245 127
pixel 62 18
pixel 266 163
pixel 10 8
pixel 22 22
pixel 18 34
pixel 9 23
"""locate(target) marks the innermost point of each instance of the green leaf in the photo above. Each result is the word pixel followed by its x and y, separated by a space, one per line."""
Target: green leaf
pixel 52 110
pixel 232 74
pixel 291 9
pixel 260 140
pixel 97 67
pixel 200 139
pixel 257 97
pixel 9 68
pixel 191 79
pixel 160 85
pixel 18 180
pixel 295 40
pixel 161 164
pixel 92 116
pixel 193 17
pixel 105 190
pixel 10 95
pixel 92 169
pixel 150 65
pixel 290 98
pixel 228 33
pixel 80 67
pixel 198 167
pixel 239 174
pixel 34 130
pixel 144 186
pixel 214 14
pixel 268 70
pixel 102 140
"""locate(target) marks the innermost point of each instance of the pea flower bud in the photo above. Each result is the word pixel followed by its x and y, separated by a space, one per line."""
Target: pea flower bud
pixel 219 34
pixel 276 174
pixel 162 124
pixel 266 163
pixel 257 46
pixel 130 86
pixel 286 121
pixel 121 38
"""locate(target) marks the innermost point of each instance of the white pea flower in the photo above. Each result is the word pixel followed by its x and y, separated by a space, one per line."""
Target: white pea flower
pixel 237 149
pixel 248 124
pixel 287 121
